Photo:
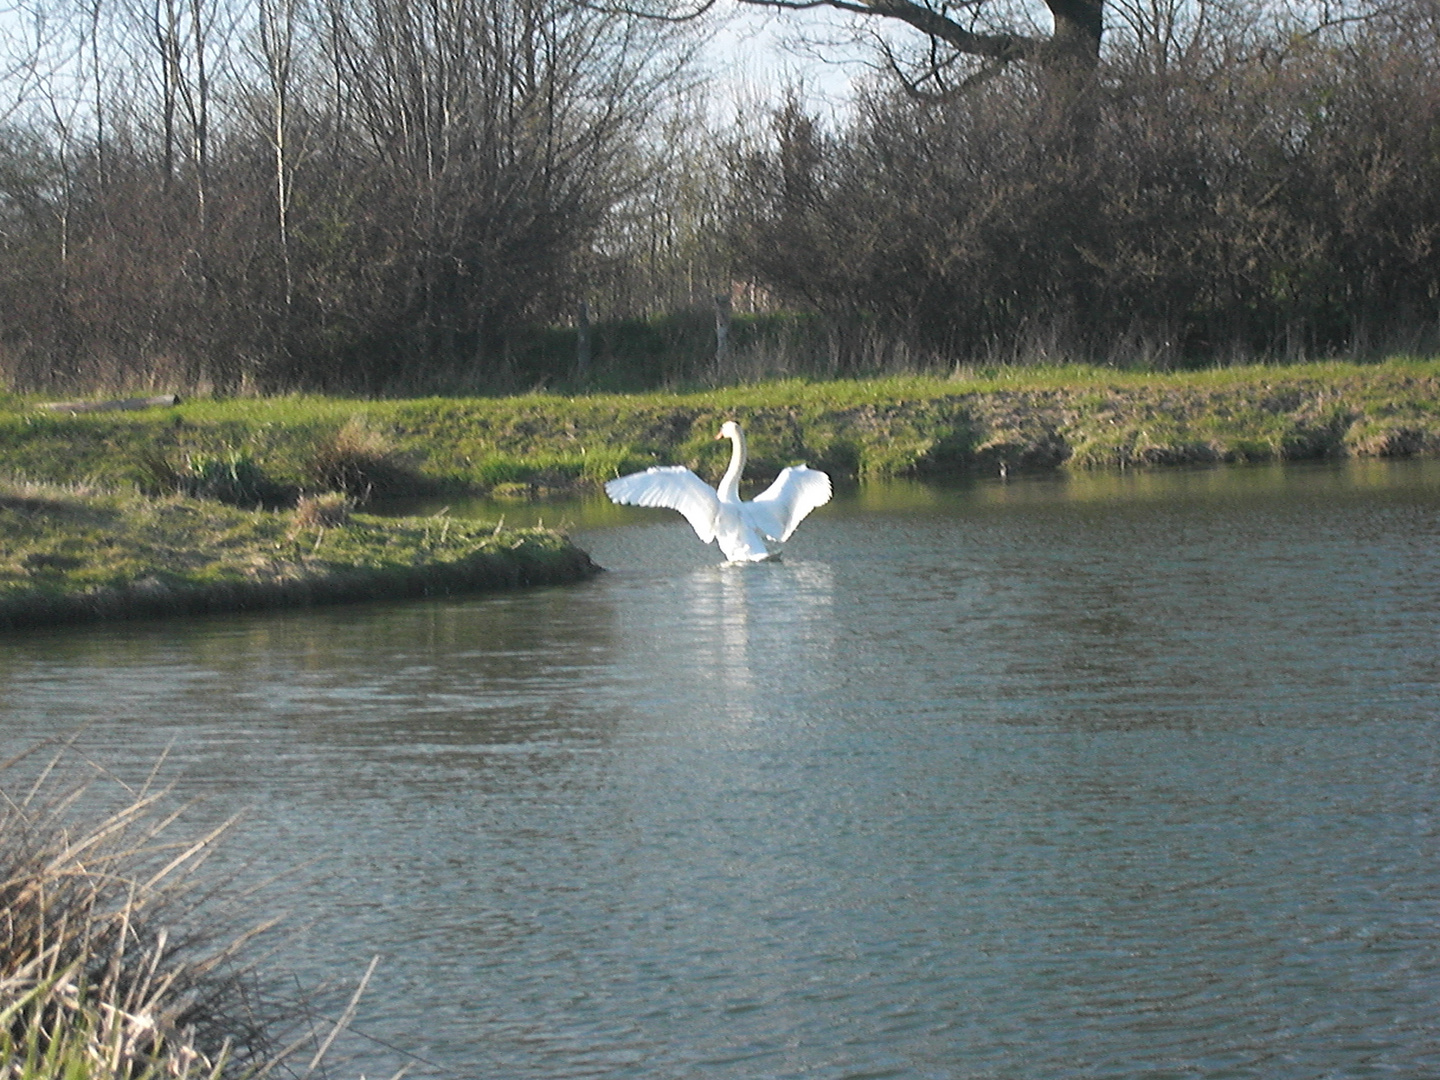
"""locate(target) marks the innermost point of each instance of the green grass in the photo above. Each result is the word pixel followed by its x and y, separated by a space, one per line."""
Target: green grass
pixel 1081 417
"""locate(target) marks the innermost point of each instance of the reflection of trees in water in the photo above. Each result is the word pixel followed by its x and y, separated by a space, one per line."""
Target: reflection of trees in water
pixel 489 675
pixel 238 692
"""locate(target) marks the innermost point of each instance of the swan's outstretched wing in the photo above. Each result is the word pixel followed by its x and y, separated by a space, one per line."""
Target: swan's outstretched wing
pixel 778 509
pixel 673 487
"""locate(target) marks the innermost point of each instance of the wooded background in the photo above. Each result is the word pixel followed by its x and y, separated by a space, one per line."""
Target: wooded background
pixel 407 196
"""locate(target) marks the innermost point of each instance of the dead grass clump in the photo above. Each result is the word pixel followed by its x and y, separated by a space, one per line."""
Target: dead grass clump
pixel 361 462
pixel 328 510
pixel 107 968
pixel 119 958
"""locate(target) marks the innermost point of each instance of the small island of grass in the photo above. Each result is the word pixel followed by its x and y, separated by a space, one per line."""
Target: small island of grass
pixel 68 554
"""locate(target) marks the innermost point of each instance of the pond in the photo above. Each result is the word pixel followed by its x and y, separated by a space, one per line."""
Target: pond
pixel 1130 775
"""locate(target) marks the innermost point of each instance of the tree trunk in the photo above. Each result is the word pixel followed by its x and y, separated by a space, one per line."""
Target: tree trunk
pixel 1075 43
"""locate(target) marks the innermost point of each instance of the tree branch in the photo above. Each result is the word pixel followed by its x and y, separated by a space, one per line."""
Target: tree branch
pixel 1001 47
pixel 636 13
pixel 935 72
pixel 1078 26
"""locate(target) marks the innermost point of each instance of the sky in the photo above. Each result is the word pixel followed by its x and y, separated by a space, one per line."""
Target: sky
pixel 756 54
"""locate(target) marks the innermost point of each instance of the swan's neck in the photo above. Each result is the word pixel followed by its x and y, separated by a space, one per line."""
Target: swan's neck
pixel 729 489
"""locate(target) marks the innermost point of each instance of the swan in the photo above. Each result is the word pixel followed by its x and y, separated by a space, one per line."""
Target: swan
pixel 746 531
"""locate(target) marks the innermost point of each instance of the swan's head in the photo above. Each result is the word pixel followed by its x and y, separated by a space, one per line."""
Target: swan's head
pixel 729 430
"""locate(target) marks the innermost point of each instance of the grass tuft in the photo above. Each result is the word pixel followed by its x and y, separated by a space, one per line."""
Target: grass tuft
pixel 361 461
pixel 122 955
pixel 328 510
pixel 232 477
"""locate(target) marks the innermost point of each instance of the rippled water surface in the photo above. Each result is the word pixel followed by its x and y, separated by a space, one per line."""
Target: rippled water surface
pixel 1118 776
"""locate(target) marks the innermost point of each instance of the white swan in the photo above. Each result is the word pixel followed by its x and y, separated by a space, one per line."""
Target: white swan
pixel 742 528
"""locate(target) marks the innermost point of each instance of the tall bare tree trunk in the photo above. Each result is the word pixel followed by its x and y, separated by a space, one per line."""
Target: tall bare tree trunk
pixel 277 40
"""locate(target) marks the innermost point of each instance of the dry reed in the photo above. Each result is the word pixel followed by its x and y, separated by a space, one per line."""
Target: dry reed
pixel 121 956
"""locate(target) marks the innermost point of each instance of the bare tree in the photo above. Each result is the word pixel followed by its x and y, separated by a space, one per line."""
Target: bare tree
pixel 276 31
pixel 496 137
pixel 663 246
pixel 27 53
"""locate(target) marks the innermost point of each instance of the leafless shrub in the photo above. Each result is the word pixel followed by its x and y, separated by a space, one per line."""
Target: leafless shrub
pixel 1225 187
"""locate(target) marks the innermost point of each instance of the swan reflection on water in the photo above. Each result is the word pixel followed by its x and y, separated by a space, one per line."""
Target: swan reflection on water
pixel 757 618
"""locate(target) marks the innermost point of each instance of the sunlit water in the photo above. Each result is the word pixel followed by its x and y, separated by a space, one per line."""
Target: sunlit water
pixel 1118 776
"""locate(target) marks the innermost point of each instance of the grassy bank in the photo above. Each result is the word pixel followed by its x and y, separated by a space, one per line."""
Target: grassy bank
pixel 69 555
pixel 1023 418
